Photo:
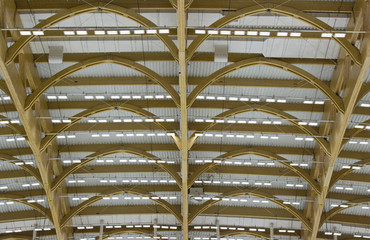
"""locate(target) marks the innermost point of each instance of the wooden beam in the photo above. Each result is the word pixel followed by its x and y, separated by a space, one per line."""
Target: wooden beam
pixel 307 6
pixel 85 148
pixel 167 57
pixel 350 81
pixel 214 211
pixel 183 83
pixel 16 85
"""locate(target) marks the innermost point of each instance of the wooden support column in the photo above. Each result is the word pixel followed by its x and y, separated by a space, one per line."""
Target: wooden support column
pixel 16 82
pixel 348 80
pixel 181 20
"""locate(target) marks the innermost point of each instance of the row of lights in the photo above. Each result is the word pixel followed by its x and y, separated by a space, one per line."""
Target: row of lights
pixel 361 236
pixel 20 230
pixel 126 198
pixel 310 139
pixel 256 99
pixel 229 199
pixel 99 32
pixel 257 183
pixel 127 181
pixel 264 33
pixel 346 206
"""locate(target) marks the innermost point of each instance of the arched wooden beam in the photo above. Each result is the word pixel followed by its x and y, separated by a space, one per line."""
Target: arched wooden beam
pixel 15 127
pixel 260 108
pixel 15 49
pixel 16 236
pixel 31 170
pixel 116 191
pixel 336 100
pixel 352 133
pixel 32 98
pixel 365 89
pixel 344 172
pixel 255 193
pixel 228 233
pixel 352 51
pixel 244 151
pixel 326 216
pixel 102 108
pixel 128 231
pixel 45 212
pixel 120 149
pixel 4 87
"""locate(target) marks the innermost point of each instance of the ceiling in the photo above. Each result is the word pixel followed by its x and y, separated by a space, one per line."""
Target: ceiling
pixel 270 134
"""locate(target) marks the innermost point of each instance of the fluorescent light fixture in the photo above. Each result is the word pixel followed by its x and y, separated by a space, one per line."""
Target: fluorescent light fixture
pixel 239 33
pixel 81 32
pixel 225 32
pixel 25 33
pixel 62 97
pixel 308 102
pixel 69 33
pixel 112 32
pixel 252 33
pixel 151 31
pixel 264 33
pixel 140 31
pixel 295 34
pixel 319 102
pixel 212 31
pixel 124 32
pixel 270 100
pixel 200 31
pixel 38 33
pixel 326 35
pixel 339 35
pixel 282 34
pixel 89 97
pixel 99 32
pixel 164 31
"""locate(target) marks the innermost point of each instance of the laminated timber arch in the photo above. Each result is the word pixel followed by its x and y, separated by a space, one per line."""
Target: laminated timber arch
pixel 113 150
pixel 352 133
pixel 128 231
pixel 15 49
pixel 344 172
pixel 326 216
pixel 98 109
pixel 15 127
pixel 244 151
pixel 31 170
pixel 32 98
pixel 254 193
pixel 116 191
pixel 44 212
pixel 351 50
pixel 230 233
pixel 260 108
pixel 335 99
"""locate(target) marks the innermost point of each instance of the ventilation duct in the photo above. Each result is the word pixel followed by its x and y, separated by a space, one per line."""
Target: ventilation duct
pixel 221 54
pixel 55 54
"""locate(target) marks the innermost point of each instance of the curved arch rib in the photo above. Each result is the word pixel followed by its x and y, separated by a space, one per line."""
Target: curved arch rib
pixel 255 107
pixel 118 149
pixel 352 51
pixel 299 171
pixel 351 133
pixel 97 109
pixel 128 231
pixel 336 100
pixel 45 212
pixel 256 193
pixel 332 212
pixel 15 127
pixel 31 170
pixel 32 98
pixel 229 233
pixel 344 172
pixel 115 191
pixel 91 7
